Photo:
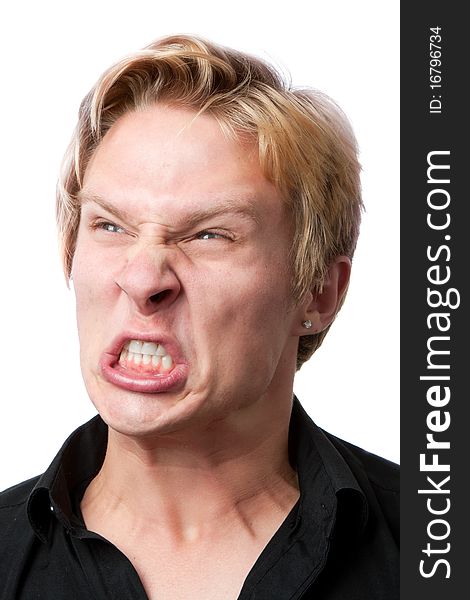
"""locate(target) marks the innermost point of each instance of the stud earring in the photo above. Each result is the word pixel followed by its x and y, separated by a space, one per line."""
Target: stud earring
pixel 307 323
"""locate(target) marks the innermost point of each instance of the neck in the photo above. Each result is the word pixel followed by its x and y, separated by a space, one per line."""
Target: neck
pixel 191 481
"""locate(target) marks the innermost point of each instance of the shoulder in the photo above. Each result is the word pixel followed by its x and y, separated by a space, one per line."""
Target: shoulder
pixel 13 503
pixel 16 495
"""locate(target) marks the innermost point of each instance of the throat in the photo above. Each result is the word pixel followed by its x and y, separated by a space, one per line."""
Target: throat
pixel 209 516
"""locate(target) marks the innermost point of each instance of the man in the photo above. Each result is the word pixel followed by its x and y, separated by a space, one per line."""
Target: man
pixel 208 216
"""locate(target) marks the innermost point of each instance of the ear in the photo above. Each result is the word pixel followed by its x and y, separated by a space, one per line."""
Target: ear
pixel 321 308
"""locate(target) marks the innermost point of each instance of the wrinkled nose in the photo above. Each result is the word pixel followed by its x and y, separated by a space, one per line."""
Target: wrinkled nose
pixel 149 281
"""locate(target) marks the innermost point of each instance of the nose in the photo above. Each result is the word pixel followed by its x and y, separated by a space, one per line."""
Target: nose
pixel 148 280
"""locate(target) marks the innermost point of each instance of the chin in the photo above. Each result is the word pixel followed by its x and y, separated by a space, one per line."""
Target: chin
pixel 137 414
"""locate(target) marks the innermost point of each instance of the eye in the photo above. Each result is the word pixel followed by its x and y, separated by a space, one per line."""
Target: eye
pixel 211 235
pixel 108 226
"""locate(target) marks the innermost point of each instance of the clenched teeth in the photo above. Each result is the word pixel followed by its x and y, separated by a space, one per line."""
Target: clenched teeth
pixel 146 356
pixel 146 348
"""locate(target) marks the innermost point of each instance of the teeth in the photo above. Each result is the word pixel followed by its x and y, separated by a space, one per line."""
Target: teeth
pixel 135 346
pixel 167 362
pixel 149 348
pixel 146 354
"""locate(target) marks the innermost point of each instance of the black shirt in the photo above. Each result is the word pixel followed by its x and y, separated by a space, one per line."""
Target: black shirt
pixel 339 542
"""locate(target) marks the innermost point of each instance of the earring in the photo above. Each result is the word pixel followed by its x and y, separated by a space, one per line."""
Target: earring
pixel 307 323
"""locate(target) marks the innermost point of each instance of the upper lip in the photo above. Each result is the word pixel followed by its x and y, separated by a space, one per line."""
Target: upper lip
pixel 169 343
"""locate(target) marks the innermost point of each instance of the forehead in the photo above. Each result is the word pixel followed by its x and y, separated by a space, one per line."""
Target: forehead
pixel 167 159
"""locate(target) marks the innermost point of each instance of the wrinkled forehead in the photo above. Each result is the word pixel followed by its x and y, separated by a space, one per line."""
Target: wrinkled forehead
pixel 168 159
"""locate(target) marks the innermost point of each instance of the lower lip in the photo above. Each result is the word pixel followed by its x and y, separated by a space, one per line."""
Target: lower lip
pixel 114 373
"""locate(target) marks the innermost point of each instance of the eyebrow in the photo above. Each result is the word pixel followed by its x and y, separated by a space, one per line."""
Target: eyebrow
pixel 85 198
pixel 237 205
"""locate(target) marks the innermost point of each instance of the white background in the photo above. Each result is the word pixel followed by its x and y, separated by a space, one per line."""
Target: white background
pixel 51 54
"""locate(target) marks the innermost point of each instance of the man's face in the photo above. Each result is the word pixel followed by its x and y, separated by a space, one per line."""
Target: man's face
pixel 181 275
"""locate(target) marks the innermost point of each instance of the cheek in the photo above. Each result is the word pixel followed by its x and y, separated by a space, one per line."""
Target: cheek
pixel 92 294
pixel 262 292
pixel 246 307
pixel 90 271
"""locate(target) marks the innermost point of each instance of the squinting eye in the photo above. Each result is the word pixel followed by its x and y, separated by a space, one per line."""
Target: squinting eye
pixel 210 235
pixel 107 226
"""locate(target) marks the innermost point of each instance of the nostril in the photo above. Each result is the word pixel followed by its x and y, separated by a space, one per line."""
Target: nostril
pixel 158 298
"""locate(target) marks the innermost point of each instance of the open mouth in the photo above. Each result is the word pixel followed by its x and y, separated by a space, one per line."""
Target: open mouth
pixel 143 366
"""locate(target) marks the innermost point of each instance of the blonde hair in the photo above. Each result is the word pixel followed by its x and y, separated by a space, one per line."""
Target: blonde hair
pixel 306 146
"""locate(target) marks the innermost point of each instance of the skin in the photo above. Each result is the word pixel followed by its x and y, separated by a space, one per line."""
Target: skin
pixel 218 288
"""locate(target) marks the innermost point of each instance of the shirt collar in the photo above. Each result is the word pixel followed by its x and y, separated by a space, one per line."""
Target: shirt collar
pixel 310 451
pixel 77 462
pixel 332 506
